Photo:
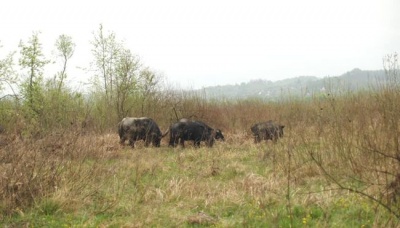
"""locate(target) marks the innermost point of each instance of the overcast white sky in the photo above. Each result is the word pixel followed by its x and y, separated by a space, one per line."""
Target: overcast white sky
pixel 203 43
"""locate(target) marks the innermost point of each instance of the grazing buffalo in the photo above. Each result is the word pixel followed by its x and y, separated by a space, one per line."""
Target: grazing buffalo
pixel 142 128
pixel 267 130
pixel 197 131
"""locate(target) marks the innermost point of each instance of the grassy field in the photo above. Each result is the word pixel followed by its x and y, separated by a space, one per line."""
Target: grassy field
pixel 336 166
pixel 92 181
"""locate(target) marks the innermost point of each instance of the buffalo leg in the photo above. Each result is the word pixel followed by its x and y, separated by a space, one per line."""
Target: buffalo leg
pixel 257 139
pixel 147 142
pixel 182 143
pixel 275 138
pixel 210 142
pixel 171 142
pixel 122 140
pixel 132 142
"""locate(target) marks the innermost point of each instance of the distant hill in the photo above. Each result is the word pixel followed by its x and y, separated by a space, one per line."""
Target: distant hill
pixel 299 86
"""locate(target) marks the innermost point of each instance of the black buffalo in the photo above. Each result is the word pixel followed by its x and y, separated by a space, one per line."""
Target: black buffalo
pixel 267 130
pixel 142 128
pixel 196 131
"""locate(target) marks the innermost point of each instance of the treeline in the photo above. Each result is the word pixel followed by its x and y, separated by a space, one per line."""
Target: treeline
pixel 304 86
pixel 38 104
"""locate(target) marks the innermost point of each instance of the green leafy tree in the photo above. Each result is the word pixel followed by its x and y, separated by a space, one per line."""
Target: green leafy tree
pixel 7 74
pixel 148 88
pixel 33 61
pixel 126 82
pixel 122 83
pixel 7 79
pixel 105 52
pixel 65 49
pixel 63 107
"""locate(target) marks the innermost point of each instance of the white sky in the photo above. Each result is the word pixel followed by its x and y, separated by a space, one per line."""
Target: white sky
pixel 203 43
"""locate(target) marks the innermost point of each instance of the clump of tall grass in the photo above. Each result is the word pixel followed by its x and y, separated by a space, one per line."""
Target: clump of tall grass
pixel 30 171
pixel 353 139
pixel 36 169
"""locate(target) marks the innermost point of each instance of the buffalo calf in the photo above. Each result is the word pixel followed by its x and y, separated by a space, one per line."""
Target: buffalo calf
pixel 142 128
pixel 267 131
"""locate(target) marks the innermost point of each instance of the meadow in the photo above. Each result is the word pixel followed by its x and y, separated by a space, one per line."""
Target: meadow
pixel 337 165
pixel 61 165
